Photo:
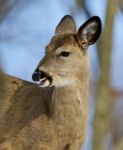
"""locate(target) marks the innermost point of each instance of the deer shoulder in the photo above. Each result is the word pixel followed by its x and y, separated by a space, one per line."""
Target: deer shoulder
pixel 52 113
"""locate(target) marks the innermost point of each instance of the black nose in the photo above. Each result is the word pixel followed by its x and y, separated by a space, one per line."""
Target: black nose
pixel 37 75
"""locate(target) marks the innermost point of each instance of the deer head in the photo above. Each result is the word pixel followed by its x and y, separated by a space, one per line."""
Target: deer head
pixel 66 56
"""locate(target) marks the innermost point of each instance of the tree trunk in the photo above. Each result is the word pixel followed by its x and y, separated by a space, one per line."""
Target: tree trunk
pixel 103 99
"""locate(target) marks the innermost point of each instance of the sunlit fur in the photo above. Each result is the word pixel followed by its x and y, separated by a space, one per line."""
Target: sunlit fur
pixel 55 117
pixel 64 70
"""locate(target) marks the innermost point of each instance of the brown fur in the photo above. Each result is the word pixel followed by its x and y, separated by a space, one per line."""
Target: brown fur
pixel 50 118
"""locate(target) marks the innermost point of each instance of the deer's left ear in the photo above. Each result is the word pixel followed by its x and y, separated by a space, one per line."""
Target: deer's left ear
pixel 89 32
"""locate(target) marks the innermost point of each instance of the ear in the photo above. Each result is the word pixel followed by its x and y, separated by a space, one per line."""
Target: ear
pixel 66 25
pixel 89 32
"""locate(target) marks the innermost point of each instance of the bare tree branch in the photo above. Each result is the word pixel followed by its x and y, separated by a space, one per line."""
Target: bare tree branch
pixel 103 99
pixel 82 4
pixel 5 7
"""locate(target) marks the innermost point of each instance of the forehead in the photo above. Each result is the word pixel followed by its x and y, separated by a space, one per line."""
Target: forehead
pixel 68 40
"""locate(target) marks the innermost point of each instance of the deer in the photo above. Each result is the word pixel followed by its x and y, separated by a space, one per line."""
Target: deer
pixel 51 113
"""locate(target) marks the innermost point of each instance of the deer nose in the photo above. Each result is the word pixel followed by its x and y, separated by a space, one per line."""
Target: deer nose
pixel 38 75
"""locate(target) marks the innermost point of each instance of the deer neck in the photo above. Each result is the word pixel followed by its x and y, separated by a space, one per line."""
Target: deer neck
pixel 70 102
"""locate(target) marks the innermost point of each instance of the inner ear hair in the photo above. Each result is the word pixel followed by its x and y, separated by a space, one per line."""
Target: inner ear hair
pixel 89 32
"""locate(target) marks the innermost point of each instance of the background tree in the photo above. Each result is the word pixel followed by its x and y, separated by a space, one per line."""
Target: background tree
pixel 107 123
pixel 103 97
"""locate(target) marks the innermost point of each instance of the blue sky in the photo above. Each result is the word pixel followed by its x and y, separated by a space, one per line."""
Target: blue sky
pixel 31 24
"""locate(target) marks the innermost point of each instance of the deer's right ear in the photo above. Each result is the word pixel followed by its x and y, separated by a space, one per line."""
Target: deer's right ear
pixel 89 32
pixel 66 25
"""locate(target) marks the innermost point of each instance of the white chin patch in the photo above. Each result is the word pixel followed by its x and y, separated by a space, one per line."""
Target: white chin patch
pixel 63 83
pixel 44 83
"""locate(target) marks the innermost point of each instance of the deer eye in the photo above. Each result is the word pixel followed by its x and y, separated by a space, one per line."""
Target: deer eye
pixel 65 54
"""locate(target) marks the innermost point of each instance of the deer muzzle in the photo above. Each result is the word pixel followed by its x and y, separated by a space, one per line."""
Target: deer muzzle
pixel 42 78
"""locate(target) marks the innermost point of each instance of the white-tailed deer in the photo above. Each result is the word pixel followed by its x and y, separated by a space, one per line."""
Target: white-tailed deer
pixel 53 117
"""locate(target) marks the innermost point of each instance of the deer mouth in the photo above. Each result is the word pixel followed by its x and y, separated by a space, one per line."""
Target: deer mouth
pixel 42 78
pixel 47 81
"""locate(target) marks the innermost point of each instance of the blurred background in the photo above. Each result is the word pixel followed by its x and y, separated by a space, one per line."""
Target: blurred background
pixel 26 26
